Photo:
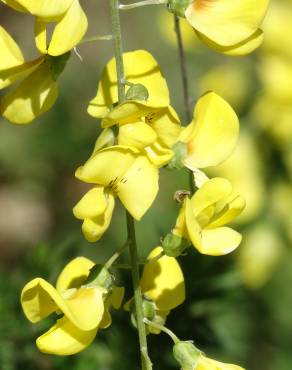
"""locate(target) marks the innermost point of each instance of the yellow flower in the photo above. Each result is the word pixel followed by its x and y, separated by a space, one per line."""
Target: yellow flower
pixel 202 218
pixel 205 363
pixel 162 284
pixel 213 133
pixel 153 131
pixel 117 171
pixel 68 16
pixel 139 68
pixel 84 308
pixel 230 27
pixel 38 89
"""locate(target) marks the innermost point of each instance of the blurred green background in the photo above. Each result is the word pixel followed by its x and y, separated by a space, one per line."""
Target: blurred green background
pixel 238 307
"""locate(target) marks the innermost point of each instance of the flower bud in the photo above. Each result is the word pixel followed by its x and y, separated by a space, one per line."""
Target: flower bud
pixel 174 245
pixel 186 354
pixel 137 92
pixel 148 308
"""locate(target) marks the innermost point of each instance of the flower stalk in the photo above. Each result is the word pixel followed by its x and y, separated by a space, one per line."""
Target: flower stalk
pixel 118 49
pixel 142 3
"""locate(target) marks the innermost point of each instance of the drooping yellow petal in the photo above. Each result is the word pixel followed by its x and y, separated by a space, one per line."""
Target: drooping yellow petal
pixel 107 165
pixel 13 74
pixel 11 55
pixel 214 134
pixel 163 281
pixel 69 30
pixel 242 48
pixel 136 134
pixel 45 8
pixel 33 97
pixel 104 140
pixel 74 274
pixel 210 193
pixel 93 204
pixel 65 339
pixel 226 22
pixel 40 31
pixel 84 307
pixel 139 186
pixel 219 241
pixel 94 228
pixel 206 363
pixel 140 67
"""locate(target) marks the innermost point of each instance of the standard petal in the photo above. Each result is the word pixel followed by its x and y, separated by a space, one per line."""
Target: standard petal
pixel 136 134
pixel 84 308
pixel 107 165
pixel 69 30
pixel 92 204
pixel 163 281
pixel 65 339
pixel 226 22
pixel 94 228
pixel 74 274
pixel 138 187
pixel 140 67
pixel 215 132
pixel 219 241
pixel 243 48
pixel 45 8
pixel 209 194
pixel 33 97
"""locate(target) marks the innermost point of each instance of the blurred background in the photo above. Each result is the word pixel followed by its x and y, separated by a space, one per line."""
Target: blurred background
pixel 238 307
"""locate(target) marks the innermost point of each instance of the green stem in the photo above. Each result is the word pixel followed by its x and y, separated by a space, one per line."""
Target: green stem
pixel 184 77
pixel 116 30
pixel 142 3
pixel 162 328
pixel 116 255
pixel 96 38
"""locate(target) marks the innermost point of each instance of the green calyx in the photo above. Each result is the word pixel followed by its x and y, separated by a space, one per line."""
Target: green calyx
pixel 180 153
pixel 137 92
pixel 174 245
pixel 100 276
pixel 187 355
pixel 178 7
pixel 57 64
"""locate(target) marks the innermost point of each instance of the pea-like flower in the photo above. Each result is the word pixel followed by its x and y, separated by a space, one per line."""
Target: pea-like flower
pixel 117 171
pixel 202 218
pixel 213 133
pixel 229 27
pixel 84 308
pixel 139 68
pixel 38 87
pixel 69 18
pixel 163 287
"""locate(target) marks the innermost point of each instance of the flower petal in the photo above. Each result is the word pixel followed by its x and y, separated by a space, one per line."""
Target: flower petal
pixel 69 30
pixel 84 308
pixel 74 274
pixel 65 339
pixel 206 363
pixel 228 213
pixel 11 55
pixel 193 228
pixel 115 300
pixel 209 193
pixel 139 186
pixel 107 165
pixel 140 67
pixel 92 204
pixel 136 134
pixel 14 5
pixel 159 154
pixel 94 228
pixel 226 22
pixel 40 31
pixel 163 281
pixel 45 8
pixel 219 241
pixel 33 97
pixel 215 132
pixel 243 48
